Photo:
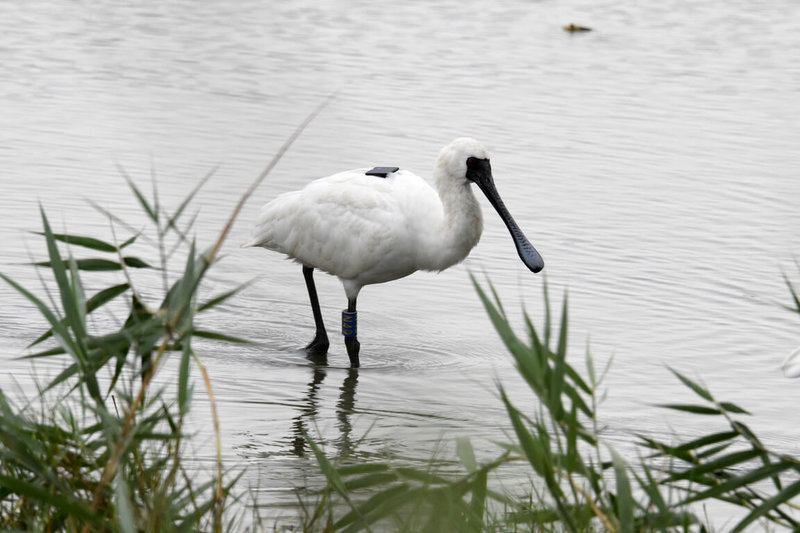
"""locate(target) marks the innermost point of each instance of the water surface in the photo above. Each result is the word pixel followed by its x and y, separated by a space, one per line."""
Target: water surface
pixel 653 162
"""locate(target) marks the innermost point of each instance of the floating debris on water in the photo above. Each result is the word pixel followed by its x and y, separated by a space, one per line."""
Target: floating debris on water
pixel 576 27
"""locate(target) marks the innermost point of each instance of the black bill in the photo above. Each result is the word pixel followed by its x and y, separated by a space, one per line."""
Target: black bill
pixel 479 171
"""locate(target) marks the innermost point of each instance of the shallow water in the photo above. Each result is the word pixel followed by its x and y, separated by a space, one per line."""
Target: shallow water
pixel 653 162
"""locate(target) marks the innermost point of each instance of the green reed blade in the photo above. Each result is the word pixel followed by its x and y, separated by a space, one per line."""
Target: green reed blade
pixel 68 302
pixel 691 408
pixel 725 461
pixel 769 504
pixel 625 500
pixel 96 264
pixel 699 390
pixel 135 262
pixel 358 469
pixel 373 481
pixel 152 213
pixel 739 482
pixel 220 298
pixel 794 293
pixel 124 505
pixel 732 408
pixel 381 505
pixel 466 454
pixel 86 242
pixel 59 328
pixel 706 440
pixel 478 503
pixel 183 378
pixel 40 493
pixel 213 335
pixel 173 220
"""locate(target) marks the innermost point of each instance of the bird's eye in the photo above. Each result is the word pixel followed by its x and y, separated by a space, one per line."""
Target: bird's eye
pixel 472 162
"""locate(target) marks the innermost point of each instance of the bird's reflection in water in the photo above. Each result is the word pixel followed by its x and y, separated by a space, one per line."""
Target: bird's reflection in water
pixel 305 421
pixel 344 408
pixel 308 410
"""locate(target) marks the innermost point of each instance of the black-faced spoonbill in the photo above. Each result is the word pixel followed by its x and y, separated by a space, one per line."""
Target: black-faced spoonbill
pixel 371 226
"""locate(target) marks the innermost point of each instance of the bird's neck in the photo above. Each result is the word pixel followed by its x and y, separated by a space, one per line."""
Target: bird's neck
pixel 461 224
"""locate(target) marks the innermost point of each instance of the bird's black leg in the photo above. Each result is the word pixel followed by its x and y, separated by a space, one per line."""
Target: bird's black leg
pixel 319 346
pixel 349 330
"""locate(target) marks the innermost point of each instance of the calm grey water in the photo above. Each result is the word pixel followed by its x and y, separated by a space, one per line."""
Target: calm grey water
pixel 653 162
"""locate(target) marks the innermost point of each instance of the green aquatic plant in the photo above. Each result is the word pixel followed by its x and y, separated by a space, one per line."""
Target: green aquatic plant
pixel 579 482
pixel 101 446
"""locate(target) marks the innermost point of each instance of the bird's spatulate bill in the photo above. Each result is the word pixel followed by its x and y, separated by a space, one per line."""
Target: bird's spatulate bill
pixel 480 172
pixel 525 249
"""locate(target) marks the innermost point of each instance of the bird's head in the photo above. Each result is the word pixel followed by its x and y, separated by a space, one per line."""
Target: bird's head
pixel 466 161
pixel 453 157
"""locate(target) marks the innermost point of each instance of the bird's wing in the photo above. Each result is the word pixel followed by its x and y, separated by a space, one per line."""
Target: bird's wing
pixel 350 224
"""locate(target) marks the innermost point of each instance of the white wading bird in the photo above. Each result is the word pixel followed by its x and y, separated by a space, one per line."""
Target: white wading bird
pixel 371 226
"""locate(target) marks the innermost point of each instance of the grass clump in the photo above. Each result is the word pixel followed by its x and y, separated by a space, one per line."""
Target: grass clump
pixel 100 447
pixel 578 481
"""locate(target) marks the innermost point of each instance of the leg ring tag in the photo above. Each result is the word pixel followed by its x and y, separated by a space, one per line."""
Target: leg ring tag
pixel 349 327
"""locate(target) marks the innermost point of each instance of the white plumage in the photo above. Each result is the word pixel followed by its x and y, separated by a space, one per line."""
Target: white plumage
pixel 368 229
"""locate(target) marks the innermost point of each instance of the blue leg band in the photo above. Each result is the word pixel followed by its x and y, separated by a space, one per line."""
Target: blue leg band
pixel 349 327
